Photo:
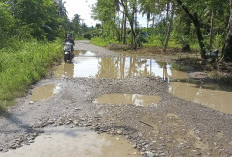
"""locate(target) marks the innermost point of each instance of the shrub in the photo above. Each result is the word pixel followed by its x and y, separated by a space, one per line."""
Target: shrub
pixel 23 64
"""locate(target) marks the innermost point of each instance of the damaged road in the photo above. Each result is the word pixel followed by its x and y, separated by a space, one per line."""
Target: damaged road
pixel 170 127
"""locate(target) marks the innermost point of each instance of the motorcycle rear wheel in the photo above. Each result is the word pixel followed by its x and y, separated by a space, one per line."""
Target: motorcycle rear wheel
pixel 66 58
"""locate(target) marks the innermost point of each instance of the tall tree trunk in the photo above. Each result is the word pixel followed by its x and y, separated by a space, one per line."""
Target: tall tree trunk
pixel 169 30
pixel 227 48
pixel 131 19
pixel 122 27
pixel 124 30
pixel 194 19
pixel 132 32
pixel 148 19
pixel 153 25
pixel 211 29
pixel 125 16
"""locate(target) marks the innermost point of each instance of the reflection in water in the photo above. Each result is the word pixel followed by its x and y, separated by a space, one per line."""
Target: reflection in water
pixel 85 66
pixel 73 142
pixel 64 70
pixel 44 92
pixel 83 53
pixel 119 67
pixel 127 99
pixel 218 98
pixel 210 95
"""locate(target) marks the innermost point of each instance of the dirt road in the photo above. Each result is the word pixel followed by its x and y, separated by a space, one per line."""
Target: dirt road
pixel 170 127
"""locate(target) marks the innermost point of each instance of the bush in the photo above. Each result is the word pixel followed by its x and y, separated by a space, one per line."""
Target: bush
pixel 23 64
pixel 102 42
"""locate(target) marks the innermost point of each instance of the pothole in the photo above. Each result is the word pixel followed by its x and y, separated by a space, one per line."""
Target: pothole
pixel 87 65
pixel 115 67
pixel 210 95
pixel 44 92
pixel 72 142
pixel 84 53
pixel 127 99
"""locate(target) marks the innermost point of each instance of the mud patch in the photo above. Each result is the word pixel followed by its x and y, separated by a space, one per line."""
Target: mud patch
pixel 127 99
pixel 210 95
pixel 44 92
pixel 74 142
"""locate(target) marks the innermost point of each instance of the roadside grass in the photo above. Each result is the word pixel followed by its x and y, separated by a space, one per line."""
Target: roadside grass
pixel 23 64
pixel 178 67
pixel 102 42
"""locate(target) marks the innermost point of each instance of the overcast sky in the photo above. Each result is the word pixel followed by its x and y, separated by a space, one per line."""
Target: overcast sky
pixel 83 8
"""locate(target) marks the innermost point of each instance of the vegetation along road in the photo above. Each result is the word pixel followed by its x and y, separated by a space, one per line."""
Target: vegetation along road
pixel 154 85
pixel 163 125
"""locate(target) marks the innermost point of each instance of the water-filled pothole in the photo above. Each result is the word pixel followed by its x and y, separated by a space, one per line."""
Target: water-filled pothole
pixel 73 142
pixel 128 99
pixel 117 67
pixel 44 92
pixel 212 95
pixel 84 53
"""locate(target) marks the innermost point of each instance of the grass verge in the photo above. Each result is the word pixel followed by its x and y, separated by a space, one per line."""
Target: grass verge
pixel 23 64
pixel 101 41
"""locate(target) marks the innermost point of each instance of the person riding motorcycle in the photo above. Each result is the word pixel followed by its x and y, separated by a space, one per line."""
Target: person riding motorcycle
pixel 70 40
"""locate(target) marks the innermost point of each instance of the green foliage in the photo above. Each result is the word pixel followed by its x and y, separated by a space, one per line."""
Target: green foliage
pixel 43 20
pixel 42 17
pixel 6 23
pixel 23 64
pixel 102 42
pixel 105 11
pixel 178 67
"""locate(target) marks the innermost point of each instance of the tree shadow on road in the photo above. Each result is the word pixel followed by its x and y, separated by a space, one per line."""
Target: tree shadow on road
pixel 12 119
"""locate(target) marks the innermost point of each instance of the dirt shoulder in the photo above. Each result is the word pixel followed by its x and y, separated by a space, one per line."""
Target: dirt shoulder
pixel 173 127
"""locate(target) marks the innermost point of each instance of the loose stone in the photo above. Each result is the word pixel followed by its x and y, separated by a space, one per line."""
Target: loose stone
pixel 119 132
pixel 31 102
pixel 150 154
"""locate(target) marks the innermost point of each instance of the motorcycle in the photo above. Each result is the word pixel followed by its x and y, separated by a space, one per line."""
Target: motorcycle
pixel 68 54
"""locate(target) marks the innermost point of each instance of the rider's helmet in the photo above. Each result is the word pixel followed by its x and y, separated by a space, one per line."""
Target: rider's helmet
pixel 68 36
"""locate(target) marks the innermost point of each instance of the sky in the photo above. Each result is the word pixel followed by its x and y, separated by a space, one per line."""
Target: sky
pixel 83 8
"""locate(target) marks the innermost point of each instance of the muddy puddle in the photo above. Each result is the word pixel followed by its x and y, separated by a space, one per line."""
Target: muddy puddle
pixel 73 142
pixel 44 92
pixel 127 99
pixel 211 95
pixel 84 53
pixel 86 65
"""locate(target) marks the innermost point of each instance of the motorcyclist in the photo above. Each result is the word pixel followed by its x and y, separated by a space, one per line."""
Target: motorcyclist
pixel 70 40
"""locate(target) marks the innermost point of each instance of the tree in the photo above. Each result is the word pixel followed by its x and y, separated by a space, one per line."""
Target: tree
pixel 194 18
pixel 41 17
pixel 105 11
pixel 130 9
pixel 168 34
pixel 76 24
pixel 227 48
pixel 6 23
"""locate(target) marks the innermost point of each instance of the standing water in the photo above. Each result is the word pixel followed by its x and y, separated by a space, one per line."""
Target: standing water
pixel 75 142
pixel 86 65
